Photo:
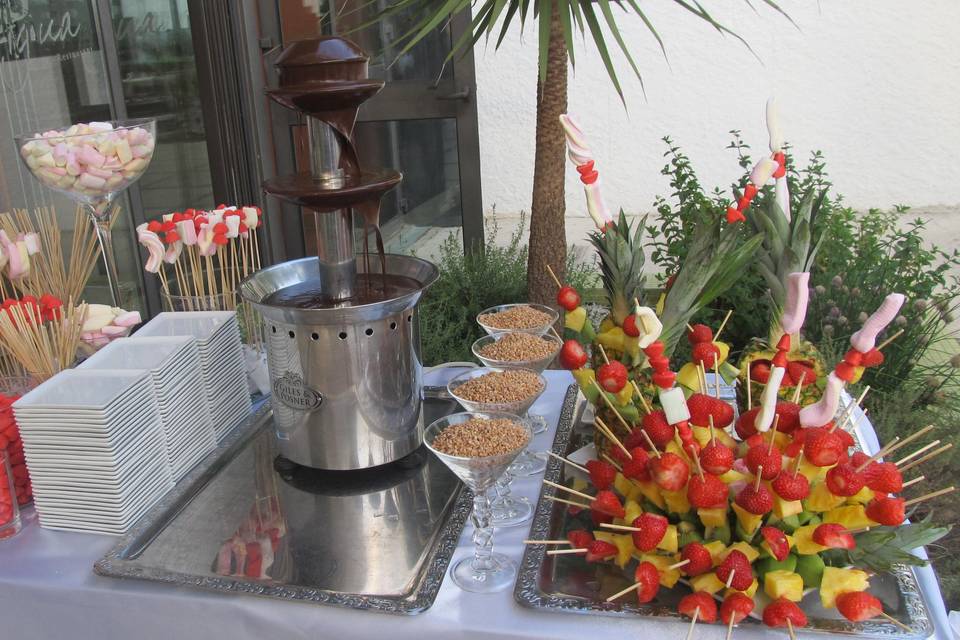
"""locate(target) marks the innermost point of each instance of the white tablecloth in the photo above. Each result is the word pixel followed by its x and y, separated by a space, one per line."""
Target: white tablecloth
pixel 48 590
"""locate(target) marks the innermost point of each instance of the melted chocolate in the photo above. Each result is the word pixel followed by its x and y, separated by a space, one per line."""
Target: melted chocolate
pixel 370 289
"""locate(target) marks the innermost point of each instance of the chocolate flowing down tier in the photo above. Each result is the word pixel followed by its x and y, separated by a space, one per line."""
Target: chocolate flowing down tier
pixel 308 191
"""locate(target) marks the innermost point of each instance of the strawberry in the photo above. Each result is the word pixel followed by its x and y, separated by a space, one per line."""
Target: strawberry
pixel 700 333
pixel 872 358
pixel 705 353
pixel 745 423
pixel 635 439
pixel 716 458
pixel 858 459
pixel 579 538
pixel 763 455
pixel 756 501
pixel 649 578
pixel 637 467
pixel 833 535
pixel 607 503
pixel 801 370
pixel 664 379
pixel 780 610
pixel 707 492
pixel 793 450
pixel 630 327
pixel 612 376
pixel 883 477
pixel 669 471
pixel 699 557
pixel 846 438
pixel 789 413
pixel 597 517
pixel 568 298
pixel 700 406
pixel 843 480
pixel 652 529
pixel 822 447
pixel 572 355
pixel 760 371
pixel 599 550
pixel 656 425
pixel 791 486
pixel 776 542
pixel 722 414
pixel 737 606
pixel 736 563
pixel 857 606
pixel 886 511
pixel 602 474
pixel 700 604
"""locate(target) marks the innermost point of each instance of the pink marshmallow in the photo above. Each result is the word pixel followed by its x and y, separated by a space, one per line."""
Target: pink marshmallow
pixel 90 156
pixel 128 319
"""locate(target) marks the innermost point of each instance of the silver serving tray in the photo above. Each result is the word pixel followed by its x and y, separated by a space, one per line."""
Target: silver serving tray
pixel 569 584
pixel 368 543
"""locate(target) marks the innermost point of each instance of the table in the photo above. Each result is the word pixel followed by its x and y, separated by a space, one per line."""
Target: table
pixel 48 590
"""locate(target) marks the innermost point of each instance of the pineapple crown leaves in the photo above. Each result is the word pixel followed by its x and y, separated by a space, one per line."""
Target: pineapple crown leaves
pixel 620 248
pixel 882 547
pixel 713 263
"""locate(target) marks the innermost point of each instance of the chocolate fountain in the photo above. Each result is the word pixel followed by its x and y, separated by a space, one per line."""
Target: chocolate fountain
pixel 342 333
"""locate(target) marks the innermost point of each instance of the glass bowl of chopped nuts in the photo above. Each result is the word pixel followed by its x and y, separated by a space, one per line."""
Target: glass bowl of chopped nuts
pixel 517 350
pixel 486 389
pixel 523 317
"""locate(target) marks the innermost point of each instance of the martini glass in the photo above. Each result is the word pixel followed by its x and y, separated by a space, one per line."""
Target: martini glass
pixel 92 164
pixel 485 571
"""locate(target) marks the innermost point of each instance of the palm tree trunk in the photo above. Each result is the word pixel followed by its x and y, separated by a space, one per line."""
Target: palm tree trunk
pixel 548 237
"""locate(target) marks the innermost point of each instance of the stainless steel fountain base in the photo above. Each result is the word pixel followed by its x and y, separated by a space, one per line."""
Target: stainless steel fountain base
pixel 346 379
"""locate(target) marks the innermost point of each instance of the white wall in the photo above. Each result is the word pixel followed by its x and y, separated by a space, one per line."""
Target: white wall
pixel 874 84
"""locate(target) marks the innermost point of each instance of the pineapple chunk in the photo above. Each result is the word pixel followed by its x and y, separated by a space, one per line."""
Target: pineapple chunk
pixel 744 548
pixel 708 582
pixel 820 498
pixel 631 346
pixel 702 434
pixel 625 487
pixel 574 320
pixel 606 324
pixel 676 501
pixel 579 484
pixel 803 540
pixel 786 508
pixel 853 516
pixel 612 339
pixel 734 476
pixel 668 577
pixel 623 543
pixel 585 379
pixel 748 521
pixel 779 438
pixel 651 492
pixel 716 549
pixel 713 517
pixel 863 496
pixel 632 510
pixel 783 584
pixel 812 471
pixel 623 396
pixel 669 543
pixel 689 378
pixel 836 581
pixel 752 589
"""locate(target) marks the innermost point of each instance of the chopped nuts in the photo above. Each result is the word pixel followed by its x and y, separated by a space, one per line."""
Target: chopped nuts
pixel 481 437
pixel 519 347
pixel 519 317
pixel 500 387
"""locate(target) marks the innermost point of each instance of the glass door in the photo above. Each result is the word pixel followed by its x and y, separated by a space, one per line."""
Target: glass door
pixel 423 123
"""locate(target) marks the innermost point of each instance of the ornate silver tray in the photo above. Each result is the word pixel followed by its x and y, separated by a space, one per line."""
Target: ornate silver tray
pixel 567 583
pixel 378 541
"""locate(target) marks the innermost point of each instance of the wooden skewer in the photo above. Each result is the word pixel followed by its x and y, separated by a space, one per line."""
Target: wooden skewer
pixel 569 462
pixel 913 436
pixel 605 430
pixel 570 502
pixel 624 592
pixel 614 463
pixel 716 336
pixel 547 542
pixel 690 327
pixel 606 400
pixel 693 622
pixel 857 530
pixel 793 634
pixel 716 375
pixel 749 387
pixel 677 565
pixel 702 378
pixel 713 433
pixel 562 552
pixel 796 392
pixel 730 627
pixel 894 620
pixel 889 340
pixel 603 353
pixel 796 466
pixel 554 276
pixel 653 447
pixel 574 492
pixel 848 412
pixel 879 454
pixel 619 527
pixel 929 456
pixel 773 433
pixel 730 579
pixel 643 401
pixel 911 456
pixel 555 334
pixel 910 483
pixel 756 485
pixel 930 496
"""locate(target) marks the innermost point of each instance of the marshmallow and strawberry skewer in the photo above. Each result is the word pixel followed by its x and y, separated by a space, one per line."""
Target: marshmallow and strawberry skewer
pixel 772 166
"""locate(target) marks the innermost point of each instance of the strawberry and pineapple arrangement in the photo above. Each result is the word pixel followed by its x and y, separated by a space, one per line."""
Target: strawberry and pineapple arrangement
pixel 749 513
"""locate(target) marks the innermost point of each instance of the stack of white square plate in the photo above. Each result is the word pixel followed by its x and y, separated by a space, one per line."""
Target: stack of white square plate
pixel 221 359
pixel 174 365
pixel 95 449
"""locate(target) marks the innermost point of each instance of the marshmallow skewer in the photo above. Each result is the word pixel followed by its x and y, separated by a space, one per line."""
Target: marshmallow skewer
pixel 582 157
pixel 776 147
